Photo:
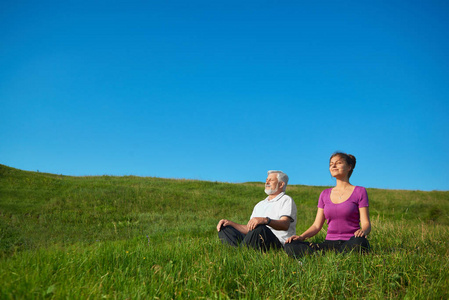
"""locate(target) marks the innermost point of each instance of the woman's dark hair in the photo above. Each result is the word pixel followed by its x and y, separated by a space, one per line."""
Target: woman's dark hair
pixel 349 158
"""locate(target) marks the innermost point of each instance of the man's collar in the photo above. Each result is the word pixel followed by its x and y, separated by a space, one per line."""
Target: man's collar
pixel 275 198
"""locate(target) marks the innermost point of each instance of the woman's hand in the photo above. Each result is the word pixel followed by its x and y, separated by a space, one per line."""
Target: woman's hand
pixel 360 233
pixel 294 238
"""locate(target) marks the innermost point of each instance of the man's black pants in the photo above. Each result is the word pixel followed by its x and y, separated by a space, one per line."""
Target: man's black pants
pixel 261 238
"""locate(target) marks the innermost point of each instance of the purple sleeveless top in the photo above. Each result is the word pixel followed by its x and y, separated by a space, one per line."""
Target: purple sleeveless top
pixel 343 219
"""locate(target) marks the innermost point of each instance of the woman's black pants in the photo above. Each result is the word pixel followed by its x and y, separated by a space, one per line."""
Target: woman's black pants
pixel 298 249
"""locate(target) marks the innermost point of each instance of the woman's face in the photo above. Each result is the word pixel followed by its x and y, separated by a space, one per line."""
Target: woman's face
pixel 338 167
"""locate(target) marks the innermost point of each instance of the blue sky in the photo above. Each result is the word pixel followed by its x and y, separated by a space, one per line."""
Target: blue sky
pixel 226 90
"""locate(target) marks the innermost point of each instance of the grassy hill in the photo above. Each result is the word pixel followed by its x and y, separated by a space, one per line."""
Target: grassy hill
pixel 135 237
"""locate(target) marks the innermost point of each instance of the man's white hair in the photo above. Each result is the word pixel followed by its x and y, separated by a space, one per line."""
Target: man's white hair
pixel 281 176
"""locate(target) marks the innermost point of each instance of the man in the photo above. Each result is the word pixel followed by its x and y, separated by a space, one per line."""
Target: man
pixel 273 220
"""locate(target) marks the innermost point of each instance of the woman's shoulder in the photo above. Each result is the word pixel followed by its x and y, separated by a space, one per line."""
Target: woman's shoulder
pixel 360 193
pixel 326 191
pixel 359 189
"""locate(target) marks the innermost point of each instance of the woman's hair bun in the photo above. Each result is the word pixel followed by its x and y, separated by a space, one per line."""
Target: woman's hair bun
pixel 352 157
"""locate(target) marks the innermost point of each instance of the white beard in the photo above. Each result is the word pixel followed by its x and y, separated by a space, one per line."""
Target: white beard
pixel 270 191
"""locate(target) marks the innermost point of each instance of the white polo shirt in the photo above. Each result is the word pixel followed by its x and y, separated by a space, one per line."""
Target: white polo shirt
pixel 281 205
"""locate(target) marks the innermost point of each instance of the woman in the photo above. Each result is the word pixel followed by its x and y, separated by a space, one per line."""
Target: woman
pixel 344 207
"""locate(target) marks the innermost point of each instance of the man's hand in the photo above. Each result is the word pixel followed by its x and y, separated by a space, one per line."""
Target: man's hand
pixel 254 222
pixel 223 222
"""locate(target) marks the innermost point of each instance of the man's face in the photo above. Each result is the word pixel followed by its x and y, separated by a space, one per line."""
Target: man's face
pixel 272 185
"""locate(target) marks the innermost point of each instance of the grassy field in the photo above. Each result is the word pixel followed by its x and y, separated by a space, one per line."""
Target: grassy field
pixel 138 238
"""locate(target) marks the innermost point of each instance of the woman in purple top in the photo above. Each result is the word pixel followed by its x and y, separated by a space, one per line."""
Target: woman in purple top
pixel 344 207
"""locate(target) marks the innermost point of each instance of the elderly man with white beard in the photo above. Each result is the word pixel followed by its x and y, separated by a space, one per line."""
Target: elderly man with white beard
pixel 272 222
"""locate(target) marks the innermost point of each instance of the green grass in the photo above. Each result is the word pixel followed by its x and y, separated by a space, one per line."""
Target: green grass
pixel 138 238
